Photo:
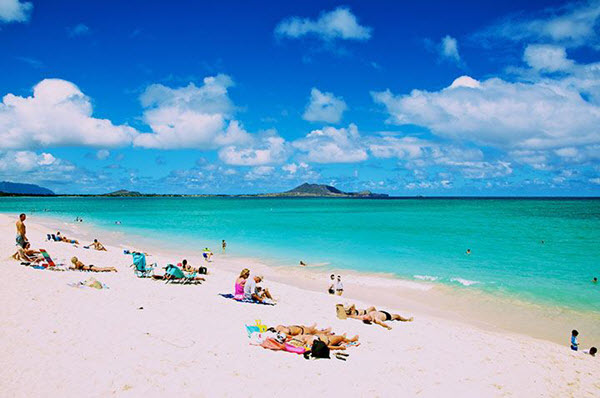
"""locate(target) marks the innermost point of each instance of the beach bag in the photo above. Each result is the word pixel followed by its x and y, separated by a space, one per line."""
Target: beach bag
pixel 271 344
pixel 341 311
pixel 202 270
pixel 318 350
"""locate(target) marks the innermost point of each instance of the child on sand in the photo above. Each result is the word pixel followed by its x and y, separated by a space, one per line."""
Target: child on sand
pixel 574 343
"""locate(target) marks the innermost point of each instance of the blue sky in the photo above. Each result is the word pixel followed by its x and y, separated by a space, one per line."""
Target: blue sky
pixel 408 98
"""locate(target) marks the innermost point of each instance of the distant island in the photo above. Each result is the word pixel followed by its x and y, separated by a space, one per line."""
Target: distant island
pixel 123 192
pixel 321 191
pixel 305 190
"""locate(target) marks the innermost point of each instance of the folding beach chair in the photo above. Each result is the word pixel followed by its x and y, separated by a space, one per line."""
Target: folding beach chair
pixel 47 258
pixel 180 276
pixel 141 269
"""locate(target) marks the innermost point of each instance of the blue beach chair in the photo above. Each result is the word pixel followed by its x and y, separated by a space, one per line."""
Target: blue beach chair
pixel 177 275
pixel 141 269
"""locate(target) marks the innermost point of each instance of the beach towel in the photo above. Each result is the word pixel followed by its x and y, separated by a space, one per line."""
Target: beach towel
pixel 90 282
pixel 272 344
pixel 230 296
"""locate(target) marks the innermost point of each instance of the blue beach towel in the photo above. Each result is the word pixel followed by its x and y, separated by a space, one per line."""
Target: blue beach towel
pixel 230 296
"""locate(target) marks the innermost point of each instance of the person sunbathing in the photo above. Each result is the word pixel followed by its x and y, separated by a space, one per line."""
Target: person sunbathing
pixel 78 265
pixel 97 245
pixel 63 238
pixel 380 317
pixel 333 342
pixel 355 313
pixel 296 330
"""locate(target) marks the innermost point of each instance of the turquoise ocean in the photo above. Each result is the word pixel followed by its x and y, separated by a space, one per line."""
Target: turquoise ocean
pixel 543 251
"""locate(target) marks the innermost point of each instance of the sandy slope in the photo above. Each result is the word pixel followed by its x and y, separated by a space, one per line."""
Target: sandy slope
pixel 56 340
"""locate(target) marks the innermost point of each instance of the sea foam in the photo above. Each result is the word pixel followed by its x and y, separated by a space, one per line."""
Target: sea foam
pixel 464 282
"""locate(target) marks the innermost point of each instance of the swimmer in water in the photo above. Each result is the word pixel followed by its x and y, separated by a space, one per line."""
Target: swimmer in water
pixel 468 251
pixel 302 263
pixel 595 280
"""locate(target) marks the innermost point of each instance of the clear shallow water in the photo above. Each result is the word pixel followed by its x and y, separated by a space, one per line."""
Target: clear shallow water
pixel 414 239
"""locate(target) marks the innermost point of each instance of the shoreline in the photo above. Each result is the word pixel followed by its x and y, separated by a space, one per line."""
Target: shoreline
pixel 474 307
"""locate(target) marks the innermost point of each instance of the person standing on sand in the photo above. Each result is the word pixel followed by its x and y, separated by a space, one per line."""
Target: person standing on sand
pixel 21 231
pixel 224 245
pixel 339 286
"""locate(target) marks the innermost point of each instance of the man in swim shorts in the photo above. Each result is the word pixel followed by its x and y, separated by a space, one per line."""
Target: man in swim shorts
pixel 21 231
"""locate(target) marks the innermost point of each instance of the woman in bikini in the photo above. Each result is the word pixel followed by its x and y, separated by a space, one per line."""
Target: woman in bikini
pixel 297 330
pixel 379 317
pixel 334 342
pixel 355 313
pixel 78 265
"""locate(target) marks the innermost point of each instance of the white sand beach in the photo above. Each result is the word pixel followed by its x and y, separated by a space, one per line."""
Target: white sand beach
pixel 144 338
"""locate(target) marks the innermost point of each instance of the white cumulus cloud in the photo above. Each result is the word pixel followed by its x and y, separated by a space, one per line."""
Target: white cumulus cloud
pixel 191 116
pixel 332 145
pixel 548 58
pixel 337 24
pixel 495 112
pixel 324 107
pixel 57 114
pixel 15 11
pixel 269 149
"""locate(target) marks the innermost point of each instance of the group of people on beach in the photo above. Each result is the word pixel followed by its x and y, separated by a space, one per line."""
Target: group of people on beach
pixel 247 288
pixel 575 344
pixel 27 256
pixel 251 289
pixel 335 285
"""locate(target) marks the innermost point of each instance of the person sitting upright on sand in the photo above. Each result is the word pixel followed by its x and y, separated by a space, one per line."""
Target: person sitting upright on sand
pixel 78 265
pixel 27 254
pixel 97 245
pixel 252 292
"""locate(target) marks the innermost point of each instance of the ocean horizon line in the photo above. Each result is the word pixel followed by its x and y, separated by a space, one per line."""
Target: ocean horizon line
pixel 276 196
